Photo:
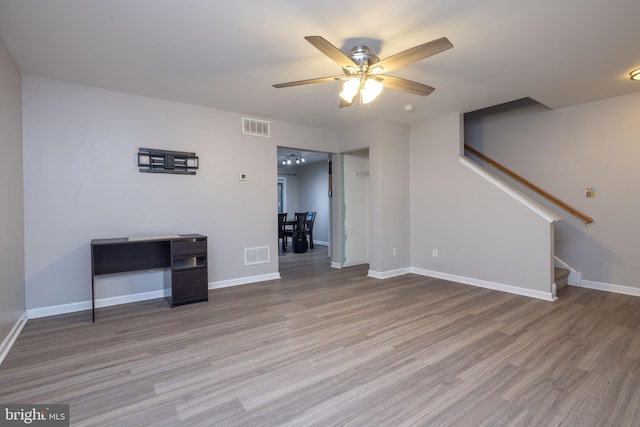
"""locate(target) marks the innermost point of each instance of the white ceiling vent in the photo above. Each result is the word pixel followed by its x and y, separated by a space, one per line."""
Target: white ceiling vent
pixel 256 255
pixel 255 127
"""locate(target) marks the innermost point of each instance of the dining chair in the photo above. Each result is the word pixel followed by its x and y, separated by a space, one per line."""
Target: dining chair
pixel 292 227
pixel 282 218
pixel 308 226
pixel 299 219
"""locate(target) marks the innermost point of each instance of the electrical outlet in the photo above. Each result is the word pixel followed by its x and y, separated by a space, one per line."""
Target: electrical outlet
pixel 395 251
pixel 435 253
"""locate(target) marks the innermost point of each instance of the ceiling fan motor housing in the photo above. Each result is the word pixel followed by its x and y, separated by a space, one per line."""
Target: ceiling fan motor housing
pixel 361 56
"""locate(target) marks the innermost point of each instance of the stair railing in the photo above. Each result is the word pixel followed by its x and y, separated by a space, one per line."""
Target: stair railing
pixel 490 162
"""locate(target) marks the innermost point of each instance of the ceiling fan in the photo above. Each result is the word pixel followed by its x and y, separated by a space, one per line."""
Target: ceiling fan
pixel 364 72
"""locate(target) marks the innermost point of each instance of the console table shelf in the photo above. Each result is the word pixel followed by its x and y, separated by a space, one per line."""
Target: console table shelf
pixel 185 255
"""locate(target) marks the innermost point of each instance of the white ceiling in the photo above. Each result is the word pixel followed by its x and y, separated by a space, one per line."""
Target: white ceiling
pixel 227 55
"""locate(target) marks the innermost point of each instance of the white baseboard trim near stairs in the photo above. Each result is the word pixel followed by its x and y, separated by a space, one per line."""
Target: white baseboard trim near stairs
pixel 608 287
pixel 547 296
pixel 7 343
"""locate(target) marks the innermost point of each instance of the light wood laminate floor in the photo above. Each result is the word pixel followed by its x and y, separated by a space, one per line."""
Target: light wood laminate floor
pixel 332 347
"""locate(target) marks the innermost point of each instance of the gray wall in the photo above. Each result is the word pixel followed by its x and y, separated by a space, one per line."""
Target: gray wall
pixel 313 187
pixel 564 151
pixel 390 189
pixel 356 223
pixel 290 175
pixel 388 145
pixel 12 299
pixel 81 183
pixel 480 232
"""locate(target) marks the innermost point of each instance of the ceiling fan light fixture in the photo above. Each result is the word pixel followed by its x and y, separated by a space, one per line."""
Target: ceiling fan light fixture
pixel 635 74
pixel 350 89
pixel 370 90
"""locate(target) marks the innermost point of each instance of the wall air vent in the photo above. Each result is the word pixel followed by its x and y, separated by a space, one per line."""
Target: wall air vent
pixel 255 127
pixel 258 255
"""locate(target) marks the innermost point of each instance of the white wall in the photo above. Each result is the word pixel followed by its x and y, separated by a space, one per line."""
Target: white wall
pixel 81 183
pixel 480 232
pixel 12 299
pixel 564 151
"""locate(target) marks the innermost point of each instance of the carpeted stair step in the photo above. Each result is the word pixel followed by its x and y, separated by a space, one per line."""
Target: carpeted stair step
pixel 561 277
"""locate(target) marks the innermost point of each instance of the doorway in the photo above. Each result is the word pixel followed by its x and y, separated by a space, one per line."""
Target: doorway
pixel 303 186
pixel 355 208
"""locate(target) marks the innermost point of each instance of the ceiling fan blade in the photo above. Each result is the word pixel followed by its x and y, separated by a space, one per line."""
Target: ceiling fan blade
pixel 396 83
pixel 335 54
pixel 412 55
pixel 309 81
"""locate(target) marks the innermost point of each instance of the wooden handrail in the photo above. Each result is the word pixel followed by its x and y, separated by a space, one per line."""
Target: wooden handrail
pixel 490 162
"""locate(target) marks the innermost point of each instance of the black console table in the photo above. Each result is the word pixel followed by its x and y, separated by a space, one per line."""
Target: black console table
pixel 184 254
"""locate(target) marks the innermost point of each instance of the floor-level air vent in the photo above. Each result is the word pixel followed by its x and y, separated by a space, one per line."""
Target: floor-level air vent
pixel 256 255
pixel 255 127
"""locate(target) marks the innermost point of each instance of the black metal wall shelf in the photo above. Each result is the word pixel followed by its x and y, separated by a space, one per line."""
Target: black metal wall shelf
pixel 165 161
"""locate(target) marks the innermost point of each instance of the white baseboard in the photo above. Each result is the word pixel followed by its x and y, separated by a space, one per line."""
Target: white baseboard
pixel 244 280
pixel 389 273
pixel 574 279
pixel 320 242
pixel 547 296
pixel 35 313
pixel 7 343
pixel 609 287
pixel 354 263
pixel 53 310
